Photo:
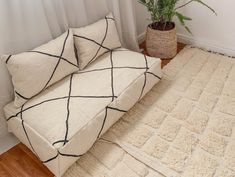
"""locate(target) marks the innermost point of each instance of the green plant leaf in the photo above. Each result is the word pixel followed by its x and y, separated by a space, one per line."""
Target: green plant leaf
pixel 142 1
pixel 163 11
pixel 204 4
pixel 182 19
pixel 188 30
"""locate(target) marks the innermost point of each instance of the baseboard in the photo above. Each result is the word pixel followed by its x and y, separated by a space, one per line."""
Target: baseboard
pixel 141 37
pixel 7 142
pixel 208 45
pixel 205 44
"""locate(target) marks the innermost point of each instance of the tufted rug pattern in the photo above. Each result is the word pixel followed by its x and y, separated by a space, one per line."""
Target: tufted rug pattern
pixel 185 126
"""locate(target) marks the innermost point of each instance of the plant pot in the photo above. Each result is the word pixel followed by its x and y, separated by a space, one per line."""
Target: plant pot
pixel 161 43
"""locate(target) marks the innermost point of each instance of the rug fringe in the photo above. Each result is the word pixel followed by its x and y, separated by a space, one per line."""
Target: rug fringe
pixel 210 51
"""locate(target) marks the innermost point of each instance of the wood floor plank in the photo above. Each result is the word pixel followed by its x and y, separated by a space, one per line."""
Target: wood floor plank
pixel 35 159
pixel 165 61
pixel 12 162
pixel 21 162
pixel 4 172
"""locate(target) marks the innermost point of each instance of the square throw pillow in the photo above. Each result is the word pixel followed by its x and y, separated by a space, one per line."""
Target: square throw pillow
pixel 35 70
pixel 94 40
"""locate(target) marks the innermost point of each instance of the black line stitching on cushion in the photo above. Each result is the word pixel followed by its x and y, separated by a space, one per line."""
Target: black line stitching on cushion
pixel 68 111
pixel 76 54
pixel 55 99
pixel 52 158
pixel 70 155
pixel 145 76
pixel 109 68
pixel 99 44
pixel 21 96
pixel 60 141
pixel 112 82
pixel 55 56
pixel 62 154
pixel 102 127
pixel 62 52
pixel 8 58
pixel 23 110
pixel 91 41
pixel 110 18
pixel 116 109
pixel 25 131
pixel 60 58
pixel 105 35
pixel 105 117
pixel 154 75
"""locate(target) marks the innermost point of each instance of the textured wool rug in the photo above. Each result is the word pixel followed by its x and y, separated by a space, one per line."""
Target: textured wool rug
pixel 185 126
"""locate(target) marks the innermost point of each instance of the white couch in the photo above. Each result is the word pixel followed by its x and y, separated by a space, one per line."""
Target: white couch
pixel 64 121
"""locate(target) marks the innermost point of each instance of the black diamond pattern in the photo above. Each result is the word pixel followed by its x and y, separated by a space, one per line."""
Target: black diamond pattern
pixel 68 97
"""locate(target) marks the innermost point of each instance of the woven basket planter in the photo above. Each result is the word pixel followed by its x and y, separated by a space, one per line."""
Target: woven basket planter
pixel 161 44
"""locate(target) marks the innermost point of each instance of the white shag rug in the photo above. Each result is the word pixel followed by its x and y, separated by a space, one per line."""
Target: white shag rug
pixel 185 126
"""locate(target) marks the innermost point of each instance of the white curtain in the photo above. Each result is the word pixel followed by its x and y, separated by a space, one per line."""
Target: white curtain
pixel 26 24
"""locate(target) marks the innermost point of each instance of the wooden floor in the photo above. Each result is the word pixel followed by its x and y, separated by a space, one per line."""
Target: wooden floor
pixel 165 61
pixel 21 162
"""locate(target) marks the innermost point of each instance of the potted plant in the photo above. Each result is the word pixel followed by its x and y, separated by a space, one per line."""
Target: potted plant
pixel 161 39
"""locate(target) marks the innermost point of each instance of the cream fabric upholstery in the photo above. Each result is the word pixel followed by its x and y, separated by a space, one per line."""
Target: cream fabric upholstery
pixel 64 121
pixel 35 70
pixel 96 39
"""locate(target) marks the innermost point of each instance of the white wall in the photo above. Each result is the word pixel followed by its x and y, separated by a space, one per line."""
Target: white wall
pixel 209 31
pixel 6 94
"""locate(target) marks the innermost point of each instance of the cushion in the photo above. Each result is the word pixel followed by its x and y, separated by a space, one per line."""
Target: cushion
pixel 64 121
pixel 35 70
pixel 96 39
